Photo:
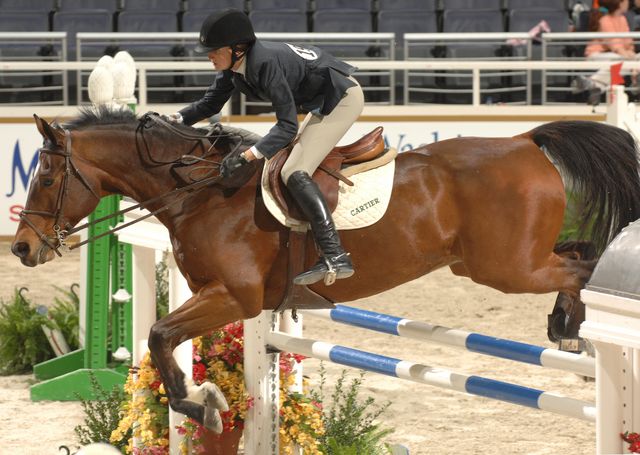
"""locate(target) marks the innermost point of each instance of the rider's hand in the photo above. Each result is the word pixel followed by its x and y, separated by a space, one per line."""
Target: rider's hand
pixel 231 163
pixel 173 118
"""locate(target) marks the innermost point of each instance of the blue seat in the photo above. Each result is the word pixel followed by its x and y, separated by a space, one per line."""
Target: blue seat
pixel 409 21
pixel 537 4
pixel 74 5
pixel 148 21
pixel 364 5
pixel 153 5
pixel 525 20
pixel 24 21
pixel 472 21
pixel 342 21
pixel 207 6
pixel 279 21
pixel 407 5
pixel 472 4
pixel 74 22
pixel 290 5
pixel 27 5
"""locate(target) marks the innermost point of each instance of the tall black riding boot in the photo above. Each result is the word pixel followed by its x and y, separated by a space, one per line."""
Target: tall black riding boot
pixel 335 263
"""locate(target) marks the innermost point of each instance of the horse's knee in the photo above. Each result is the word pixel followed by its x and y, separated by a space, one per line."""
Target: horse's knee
pixel 157 337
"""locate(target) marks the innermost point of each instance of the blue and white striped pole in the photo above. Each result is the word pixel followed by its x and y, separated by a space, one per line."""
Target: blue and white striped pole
pixel 438 377
pixel 474 342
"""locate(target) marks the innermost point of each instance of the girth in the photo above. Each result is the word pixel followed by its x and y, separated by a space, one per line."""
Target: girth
pixel 328 174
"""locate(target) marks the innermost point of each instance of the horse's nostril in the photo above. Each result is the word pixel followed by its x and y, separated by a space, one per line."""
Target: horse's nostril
pixel 20 249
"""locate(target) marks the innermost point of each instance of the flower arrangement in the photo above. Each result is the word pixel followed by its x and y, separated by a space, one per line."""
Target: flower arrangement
pixel 146 413
pixel 217 357
pixel 634 441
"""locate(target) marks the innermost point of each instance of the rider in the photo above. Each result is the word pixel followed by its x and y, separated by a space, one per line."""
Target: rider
pixel 289 77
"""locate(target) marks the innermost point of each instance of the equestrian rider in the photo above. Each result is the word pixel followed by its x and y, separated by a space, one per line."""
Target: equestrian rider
pixel 289 77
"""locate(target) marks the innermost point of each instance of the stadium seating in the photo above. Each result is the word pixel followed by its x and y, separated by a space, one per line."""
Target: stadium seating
pixel 74 5
pixel 525 20
pixel 558 5
pixel 472 4
pixel 407 5
pixel 290 5
pixel 408 21
pixel 152 5
pixel 207 6
pixel 364 5
pixel 279 21
pixel 27 5
pixel 72 22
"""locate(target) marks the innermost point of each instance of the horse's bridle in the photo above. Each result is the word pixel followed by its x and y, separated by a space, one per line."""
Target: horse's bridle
pixel 70 169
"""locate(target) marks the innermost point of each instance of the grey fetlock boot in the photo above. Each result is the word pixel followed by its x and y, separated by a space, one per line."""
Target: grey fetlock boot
pixel 335 263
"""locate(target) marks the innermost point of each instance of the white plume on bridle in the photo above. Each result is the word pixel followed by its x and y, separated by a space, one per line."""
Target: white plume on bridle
pixel 113 81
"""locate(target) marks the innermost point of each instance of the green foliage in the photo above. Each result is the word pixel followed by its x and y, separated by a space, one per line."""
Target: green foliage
pixel 349 421
pixel 102 415
pixel 22 341
pixel 162 287
pixel 65 314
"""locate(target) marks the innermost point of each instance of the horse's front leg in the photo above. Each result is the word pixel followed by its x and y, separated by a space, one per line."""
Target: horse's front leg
pixel 210 308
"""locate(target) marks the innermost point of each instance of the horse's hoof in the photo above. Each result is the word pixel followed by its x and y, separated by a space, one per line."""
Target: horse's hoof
pixel 212 420
pixel 213 397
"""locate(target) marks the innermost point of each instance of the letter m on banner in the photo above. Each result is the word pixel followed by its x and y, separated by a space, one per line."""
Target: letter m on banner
pixel 18 169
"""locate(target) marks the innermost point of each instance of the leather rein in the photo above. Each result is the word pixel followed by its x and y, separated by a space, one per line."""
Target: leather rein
pixel 71 170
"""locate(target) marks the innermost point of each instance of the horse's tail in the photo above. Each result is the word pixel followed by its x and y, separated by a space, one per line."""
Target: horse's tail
pixel 601 162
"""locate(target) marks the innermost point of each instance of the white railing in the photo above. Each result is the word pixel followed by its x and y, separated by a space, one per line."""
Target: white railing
pixel 468 46
pixel 476 67
pixel 179 47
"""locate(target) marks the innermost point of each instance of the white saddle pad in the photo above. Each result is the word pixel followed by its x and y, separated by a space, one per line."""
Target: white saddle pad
pixel 359 206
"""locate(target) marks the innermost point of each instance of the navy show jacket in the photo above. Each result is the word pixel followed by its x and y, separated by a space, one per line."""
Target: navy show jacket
pixel 286 75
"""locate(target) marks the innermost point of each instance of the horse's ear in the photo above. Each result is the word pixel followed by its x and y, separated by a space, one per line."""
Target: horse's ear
pixel 47 132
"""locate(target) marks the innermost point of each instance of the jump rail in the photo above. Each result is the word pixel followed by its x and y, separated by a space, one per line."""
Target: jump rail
pixel 475 385
pixel 474 342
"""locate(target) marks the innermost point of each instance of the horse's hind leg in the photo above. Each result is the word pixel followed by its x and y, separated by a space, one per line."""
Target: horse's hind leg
pixel 569 311
pixel 211 308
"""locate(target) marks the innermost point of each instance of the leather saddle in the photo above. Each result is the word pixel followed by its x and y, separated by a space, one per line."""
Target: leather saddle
pixel 333 169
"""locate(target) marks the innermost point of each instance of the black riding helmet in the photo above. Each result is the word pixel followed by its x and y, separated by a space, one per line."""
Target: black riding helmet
pixel 225 28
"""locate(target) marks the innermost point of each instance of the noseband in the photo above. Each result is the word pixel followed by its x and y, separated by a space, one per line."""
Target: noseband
pixel 70 169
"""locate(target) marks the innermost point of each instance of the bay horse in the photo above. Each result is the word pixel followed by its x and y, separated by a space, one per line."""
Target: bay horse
pixel 491 209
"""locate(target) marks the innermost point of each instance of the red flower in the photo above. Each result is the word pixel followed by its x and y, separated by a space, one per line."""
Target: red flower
pixel 199 372
pixel 155 385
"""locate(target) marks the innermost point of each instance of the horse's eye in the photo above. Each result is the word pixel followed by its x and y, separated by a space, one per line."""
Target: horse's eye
pixel 47 182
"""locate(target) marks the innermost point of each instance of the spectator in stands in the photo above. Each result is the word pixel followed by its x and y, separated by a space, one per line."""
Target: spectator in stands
pixel 606 16
pixel 288 76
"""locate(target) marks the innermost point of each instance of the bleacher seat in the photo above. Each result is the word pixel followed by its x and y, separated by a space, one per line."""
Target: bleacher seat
pixel 408 21
pixel 152 5
pixel 407 5
pixel 192 20
pixel 559 5
pixel 80 21
pixel 279 21
pixel 364 5
pixel 27 5
pixel 472 21
pixel 525 20
pixel 24 21
pixel 148 21
pixel 74 5
pixel 290 5
pixel 343 21
pixel 208 6
pixel 472 4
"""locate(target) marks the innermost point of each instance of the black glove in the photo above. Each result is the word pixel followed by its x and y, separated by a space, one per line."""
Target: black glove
pixel 231 163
